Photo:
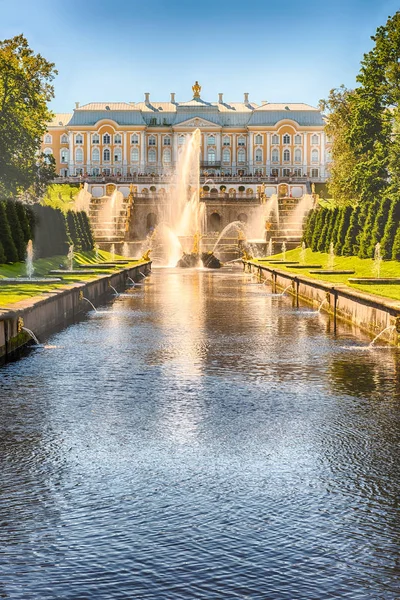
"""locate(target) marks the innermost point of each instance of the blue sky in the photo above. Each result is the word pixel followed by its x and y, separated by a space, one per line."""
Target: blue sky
pixel 115 50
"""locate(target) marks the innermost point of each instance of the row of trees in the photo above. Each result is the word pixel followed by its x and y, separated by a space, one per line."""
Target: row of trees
pixel 51 230
pixel 355 230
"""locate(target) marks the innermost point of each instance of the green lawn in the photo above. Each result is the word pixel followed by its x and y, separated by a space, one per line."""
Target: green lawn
pixel 362 268
pixel 9 294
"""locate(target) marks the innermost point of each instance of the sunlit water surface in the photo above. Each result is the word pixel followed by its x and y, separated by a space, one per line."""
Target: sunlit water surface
pixel 199 438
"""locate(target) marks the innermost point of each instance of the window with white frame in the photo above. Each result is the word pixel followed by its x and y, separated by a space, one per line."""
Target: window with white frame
pixel 134 155
pixel 211 140
pixel 106 154
pixel 96 155
pixel 275 139
pixel 314 172
pixel 258 155
pixel 181 140
pixel 96 171
pixel 106 138
pixel 47 138
pixel 64 155
pixel 226 141
pixel 297 172
pixel 47 153
pixel 134 139
pixel 152 156
pixel 152 140
pixel 241 156
pixel 64 139
pixel 117 155
pixel 258 139
pixel 167 156
pixel 95 138
pixel 314 155
pixel 286 138
pixel 79 138
pixel 275 172
pixel 286 172
pixel 297 139
pixel 242 141
pixel 211 156
pixel 297 155
pixel 167 141
pixel 117 138
pixel 79 155
pixel 286 155
pixel 315 139
pixel 275 155
pixel 226 156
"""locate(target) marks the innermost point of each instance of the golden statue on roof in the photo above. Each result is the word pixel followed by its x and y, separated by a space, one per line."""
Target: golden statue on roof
pixel 196 89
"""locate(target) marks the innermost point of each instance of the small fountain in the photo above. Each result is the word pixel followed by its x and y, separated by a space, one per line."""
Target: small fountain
pixel 125 250
pixel 325 301
pixel 83 198
pixel 376 269
pixel 31 334
pixel 303 253
pixel 96 251
pixel 91 303
pixel 113 289
pixel 270 248
pixel 29 260
pixel 286 289
pixel 284 251
pixel 70 258
pixel 390 328
pixel 112 251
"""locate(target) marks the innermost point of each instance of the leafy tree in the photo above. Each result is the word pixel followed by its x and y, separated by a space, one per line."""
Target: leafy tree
pixel 366 232
pixel 396 245
pixel 319 225
pixel 336 226
pixel 379 223
pixel 3 257
pixel 16 229
pixel 391 228
pixel 343 228
pixel 324 231
pixel 309 227
pixel 350 242
pixel 22 212
pixel 25 90
pixel 6 239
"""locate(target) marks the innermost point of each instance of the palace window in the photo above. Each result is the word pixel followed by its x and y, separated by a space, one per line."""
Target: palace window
pixel 167 141
pixel 297 172
pixel 79 155
pixel 152 140
pixel 117 138
pixel 275 155
pixel 95 155
pixel 275 139
pixel 167 156
pixel 315 139
pixel 135 139
pixel 241 141
pixel 64 139
pixel 275 172
pixel 64 155
pixel 297 139
pixel 79 139
pixel 211 140
pixel 117 155
pixel 181 140
pixel 286 172
pixel 106 154
pixel 258 155
pixel 47 152
pixel 134 155
pixel 106 138
pixel 95 138
pixel 96 171
pixel 297 155
pixel 226 141
pixel 314 156
pixel 47 138
pixel 286 139
pixel 314 172
pixel 152 156
pixel 211 156
pixel 241 156
pixel 328 156
pixel 286 155
pixel 258 139
pixel 226 156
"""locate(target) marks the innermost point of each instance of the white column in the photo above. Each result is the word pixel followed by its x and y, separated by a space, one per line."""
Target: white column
pixel 305 153
pixel 159 152
pixel 268 157
pixel 233 152
pixel 88 157
pixel 71 153
pixel 125 152
pixel 322 157
pixel 174 148
pixel 142 152
pixel 250 140
pixel 218 140
pixel 205 142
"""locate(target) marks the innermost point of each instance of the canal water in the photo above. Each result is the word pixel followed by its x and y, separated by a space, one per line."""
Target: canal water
pixel 200 438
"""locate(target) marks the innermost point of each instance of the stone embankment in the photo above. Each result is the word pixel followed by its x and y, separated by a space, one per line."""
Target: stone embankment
pixel 372 314
pixel 58 308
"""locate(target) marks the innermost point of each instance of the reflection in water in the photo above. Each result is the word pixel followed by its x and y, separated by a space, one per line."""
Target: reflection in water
pixel 200 439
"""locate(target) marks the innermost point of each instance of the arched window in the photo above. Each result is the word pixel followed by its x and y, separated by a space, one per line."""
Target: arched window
pixel 314 156
pixel 315 139
pixel 211 156
pixel 106 154
pixel 135 139
pixel 79 155
pixel 64 139
pixel 258 139
pixel 106 138
pixel 297 139
pixel 152 156
pixel 275 139
pixel 47 152
pixel 211 140
pixel 314 172
pixel 241 156
pixel 95 138
pixel 152 140
pixel 226 156
pixel 275 155
pixel 134 155
pixel 167 141
pixel 95 155
pixel 286 138
pixel 167 156
pixel 117 155
pixel 181 140
pixel 47 138
pixel 117 138
pixel 297 155
pixel 242 141
pixel 79 138
pixel 258 155
pixel 286 155
pixel 64 155
pixel 226 141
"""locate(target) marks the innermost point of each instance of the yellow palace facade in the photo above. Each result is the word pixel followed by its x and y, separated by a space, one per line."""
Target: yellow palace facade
pixel 127 141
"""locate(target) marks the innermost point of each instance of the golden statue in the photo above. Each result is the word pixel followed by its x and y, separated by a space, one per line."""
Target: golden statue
pixel 313 188
pixel 246 256
pixel 241 236
pixel 196 90
pixel 196 242
pixel 146 255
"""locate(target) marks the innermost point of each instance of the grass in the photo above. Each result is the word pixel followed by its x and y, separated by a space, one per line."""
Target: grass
pixel 10 294
pixel 363 267
pixel 61 195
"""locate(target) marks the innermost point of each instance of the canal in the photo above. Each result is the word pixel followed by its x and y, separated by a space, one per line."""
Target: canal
pixel 200 438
